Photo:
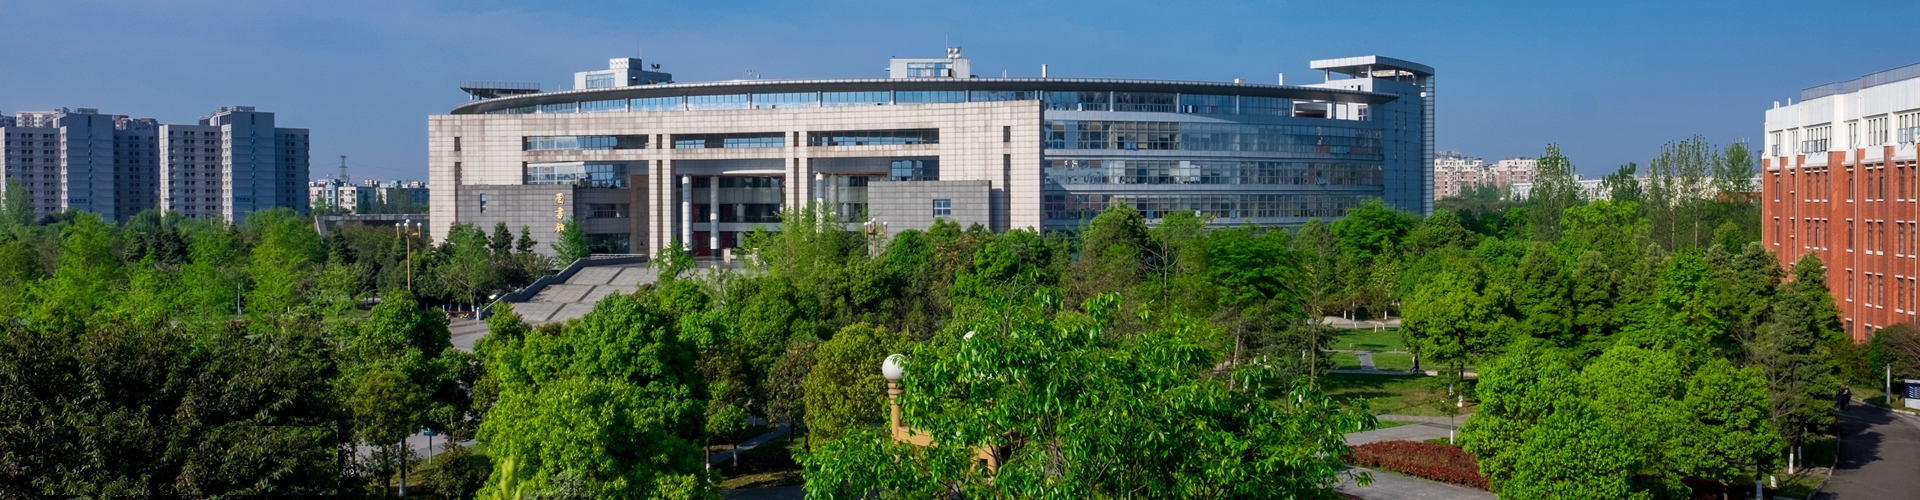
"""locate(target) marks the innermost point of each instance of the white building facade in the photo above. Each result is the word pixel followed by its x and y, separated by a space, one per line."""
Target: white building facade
pixel 645 166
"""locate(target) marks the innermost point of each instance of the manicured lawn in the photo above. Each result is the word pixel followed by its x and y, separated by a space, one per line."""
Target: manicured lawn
pixel 1389 424
pixel 1344 360
pixel 1390 394
pixel 1387 339
pixel 1392 361
pixel 1381 361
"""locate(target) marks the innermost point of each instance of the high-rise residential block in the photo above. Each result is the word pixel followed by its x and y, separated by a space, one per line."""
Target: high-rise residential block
pixel 83 160
pixel 234 162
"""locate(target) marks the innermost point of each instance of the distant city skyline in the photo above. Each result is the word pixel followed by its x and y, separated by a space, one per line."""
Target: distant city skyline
pixel 1610 82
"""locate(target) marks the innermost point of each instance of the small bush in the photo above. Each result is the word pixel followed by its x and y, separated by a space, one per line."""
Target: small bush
pixel 1437 462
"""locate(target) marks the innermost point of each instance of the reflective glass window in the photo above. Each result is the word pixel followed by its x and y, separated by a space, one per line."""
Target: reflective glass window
pixel 1073 171
pixel 929 69
pixel 713 102
pixel 523 110
pixel 942 208
pixel 787 100
pixel 600 81
pixel 719 141
pixel 874 137
pixel 609 210
pixel 613 106
pixel 1064 208
pixel 583 142
pixel 929 96
pixel 915 169
pixel 1264 106
pixel 1207 104
pixel 675 103
pixel 612 175
pixel 565 107
pixel 1192 136
pixel 856 98
pixel 1002 95
pixel 1143 101
pixel 1079 101
pixel 609 243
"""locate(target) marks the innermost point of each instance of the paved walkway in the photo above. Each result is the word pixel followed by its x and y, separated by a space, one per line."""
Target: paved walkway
pixel 1391 486
pixel 748 445
pixel 1411 432
pixel 1879 455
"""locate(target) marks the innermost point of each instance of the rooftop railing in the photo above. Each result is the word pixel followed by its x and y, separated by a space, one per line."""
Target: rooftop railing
pixel 1875 79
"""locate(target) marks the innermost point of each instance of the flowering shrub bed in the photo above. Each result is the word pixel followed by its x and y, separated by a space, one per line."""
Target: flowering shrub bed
pixel 1438 462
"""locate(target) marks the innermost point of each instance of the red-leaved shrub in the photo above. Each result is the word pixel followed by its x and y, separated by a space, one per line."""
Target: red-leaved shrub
pixel 1438 462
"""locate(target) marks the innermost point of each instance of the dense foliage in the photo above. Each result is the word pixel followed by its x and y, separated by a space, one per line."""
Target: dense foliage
pixel 1620 346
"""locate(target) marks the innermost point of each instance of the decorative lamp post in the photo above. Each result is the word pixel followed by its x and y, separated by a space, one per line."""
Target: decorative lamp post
pixel 892 368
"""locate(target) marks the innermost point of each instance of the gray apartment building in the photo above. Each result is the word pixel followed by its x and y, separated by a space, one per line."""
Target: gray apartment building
pixel 645 162
pixel 81 159
pixel 234 162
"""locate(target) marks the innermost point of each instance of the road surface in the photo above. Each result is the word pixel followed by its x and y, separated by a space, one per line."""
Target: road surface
pixel 1879 456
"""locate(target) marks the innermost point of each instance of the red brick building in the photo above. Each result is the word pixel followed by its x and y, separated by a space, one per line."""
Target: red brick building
pixel 1839 181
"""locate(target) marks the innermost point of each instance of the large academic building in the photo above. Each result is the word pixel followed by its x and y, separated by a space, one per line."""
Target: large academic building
pixel 644 162
pixel 1839 182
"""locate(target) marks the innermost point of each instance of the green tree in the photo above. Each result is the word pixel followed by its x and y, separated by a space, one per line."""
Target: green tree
pixel 282 263
pixel 16 209
pixel 844 389
pixel 1112 252
pixel 1574 454
pixel 1516 391
pixel 1458 313
pixel 612 399
pixel 1070 412
pixel 603 432
pixel 501 244
pixel 1791 351
pixel 1734 434
pixel 572 243
pixel 469 269
pixel 1554 191
pixel 84 281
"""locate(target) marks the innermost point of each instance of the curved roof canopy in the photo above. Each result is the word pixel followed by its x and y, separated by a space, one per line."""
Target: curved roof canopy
pixel 927 84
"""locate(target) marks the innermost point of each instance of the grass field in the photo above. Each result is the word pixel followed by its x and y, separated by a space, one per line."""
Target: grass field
pixel 1369 340
pixel 1381 361
pixel 1390 394
pixel 1392 361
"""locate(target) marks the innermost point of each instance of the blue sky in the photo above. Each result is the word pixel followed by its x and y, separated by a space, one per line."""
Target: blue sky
pixel 1609 81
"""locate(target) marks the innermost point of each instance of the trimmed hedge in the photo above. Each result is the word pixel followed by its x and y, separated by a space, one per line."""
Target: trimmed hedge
pixel 1437 462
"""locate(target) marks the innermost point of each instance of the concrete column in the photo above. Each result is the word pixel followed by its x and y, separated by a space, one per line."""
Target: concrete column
pixel 713 214
pixel 686 209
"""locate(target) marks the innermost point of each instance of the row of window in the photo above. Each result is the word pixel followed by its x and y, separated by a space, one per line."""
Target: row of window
pixel 728 141
pixel 584 142
pixel 1906 290
pixel 1153 102
pixel 905 137
pixel 1065 207
pixel 1814 184
pixel 1818 138
pixel 1216 172
pixel 608 175
pixel 1193 136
